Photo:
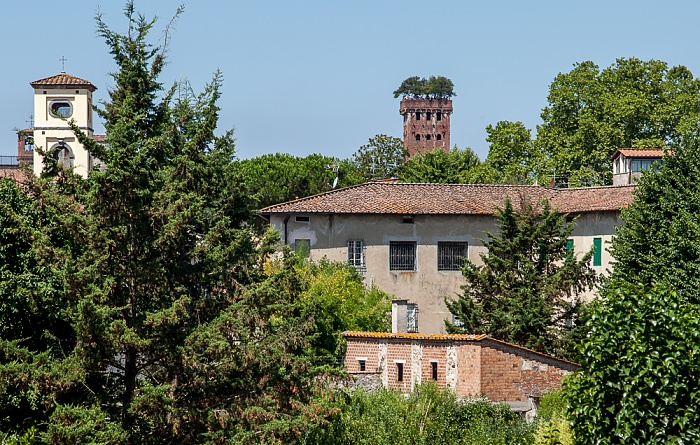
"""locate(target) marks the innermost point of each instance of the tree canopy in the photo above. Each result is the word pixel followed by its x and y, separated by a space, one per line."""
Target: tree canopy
pixel 529 282
pixel 435 87
pixel 439 166
pixel 644 335
pixel 593 112
pixel 381 158
pixel 162 322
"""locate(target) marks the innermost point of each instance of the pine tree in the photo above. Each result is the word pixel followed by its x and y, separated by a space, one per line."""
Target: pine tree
pixel 529 282
pixel 180 333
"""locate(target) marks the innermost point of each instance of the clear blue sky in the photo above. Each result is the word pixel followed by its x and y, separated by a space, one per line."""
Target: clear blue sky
pixel 307 77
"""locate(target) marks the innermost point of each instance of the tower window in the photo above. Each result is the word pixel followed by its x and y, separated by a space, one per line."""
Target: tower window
pixel 417 115
pixel 427 137
pixel 418 137
pixel 438 116
pixel 439 137
pixel 60 108
pixel 433 369
pixel 427 115
pixel 399 372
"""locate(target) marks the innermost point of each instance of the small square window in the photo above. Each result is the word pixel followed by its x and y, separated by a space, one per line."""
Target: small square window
pixel 402 255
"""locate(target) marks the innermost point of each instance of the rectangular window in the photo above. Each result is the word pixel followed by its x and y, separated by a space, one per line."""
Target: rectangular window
pixel 362 365
pixel 302 219
pixel 433 370
pixel 597 252
pixel 438 116
pixel 399 372
pixel 412 317
pixel 427 115
pixel 356 254
pixel 402 255
pixel 451 255
pixel 417 115
pixel 302 246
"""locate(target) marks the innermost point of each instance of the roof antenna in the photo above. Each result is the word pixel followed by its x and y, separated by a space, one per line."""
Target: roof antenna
pixel 63 64
pixel 335 168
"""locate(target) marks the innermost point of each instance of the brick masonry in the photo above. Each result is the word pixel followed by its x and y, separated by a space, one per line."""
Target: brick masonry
pixel 426 124
pixel 495 369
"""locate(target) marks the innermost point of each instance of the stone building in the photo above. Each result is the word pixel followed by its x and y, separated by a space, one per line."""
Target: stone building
pixel 629 163
pixel 469 365
pixel 410 239
pixel 426 124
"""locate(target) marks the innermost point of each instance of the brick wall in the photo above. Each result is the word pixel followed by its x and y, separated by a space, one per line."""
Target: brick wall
pixel 512 373
pixel 469 366
pixel 469 369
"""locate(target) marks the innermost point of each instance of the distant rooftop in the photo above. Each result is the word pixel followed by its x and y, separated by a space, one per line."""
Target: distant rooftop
pixel 63 80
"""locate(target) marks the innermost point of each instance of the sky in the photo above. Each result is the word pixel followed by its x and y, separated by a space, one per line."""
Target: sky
pixel 304 77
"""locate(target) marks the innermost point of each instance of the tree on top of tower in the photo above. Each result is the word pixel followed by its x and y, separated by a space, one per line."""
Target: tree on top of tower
pixel 435 87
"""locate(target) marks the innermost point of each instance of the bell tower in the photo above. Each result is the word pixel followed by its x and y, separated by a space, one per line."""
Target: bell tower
pixel 426 124
pixel 58 99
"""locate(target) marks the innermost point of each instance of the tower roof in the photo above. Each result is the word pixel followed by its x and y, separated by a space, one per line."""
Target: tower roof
pixel 63 80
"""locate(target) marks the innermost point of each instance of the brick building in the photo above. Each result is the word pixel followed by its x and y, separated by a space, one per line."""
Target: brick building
pixel 426 124
pixel 470 365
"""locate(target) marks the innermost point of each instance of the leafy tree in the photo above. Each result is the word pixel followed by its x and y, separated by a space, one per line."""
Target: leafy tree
pixel 180 334
pixel 428 416
pixel 591 113
pixel 381 158
pixel 435 87
pixel 337 296
pixel 439 166
pixel 412 86
pixel 634 387
pixel 275 178
pixel 528 283
pixel 644 336
pixel 513 157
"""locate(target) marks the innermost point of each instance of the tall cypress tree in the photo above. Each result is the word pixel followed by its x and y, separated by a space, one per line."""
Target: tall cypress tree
pixel 181 334
pixel 529 282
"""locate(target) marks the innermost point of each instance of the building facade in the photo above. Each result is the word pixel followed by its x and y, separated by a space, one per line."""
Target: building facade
pixel 426 124
pixel 469 365
pixel 57 100
pixel 630 163
pixel 410 239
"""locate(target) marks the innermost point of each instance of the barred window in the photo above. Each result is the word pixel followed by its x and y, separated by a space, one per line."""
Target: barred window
pixel 452 254
pixel 412 317
pixel 356 254
pixel 402 255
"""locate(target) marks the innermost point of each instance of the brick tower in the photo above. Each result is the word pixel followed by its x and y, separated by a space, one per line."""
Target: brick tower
pixel 426 124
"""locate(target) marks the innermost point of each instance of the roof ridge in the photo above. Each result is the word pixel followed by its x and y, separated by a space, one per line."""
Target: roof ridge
pixel 305 198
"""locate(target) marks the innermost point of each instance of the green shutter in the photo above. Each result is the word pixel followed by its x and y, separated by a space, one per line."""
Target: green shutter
pixel 569 248
pixel 597 252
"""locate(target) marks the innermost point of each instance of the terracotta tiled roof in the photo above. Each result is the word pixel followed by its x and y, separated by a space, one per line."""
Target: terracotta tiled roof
pixel 450 199
pixel 99 137
pixel 63 79
pixel 414 336
pixel 445 337
pixel 592 199
pixel 639 152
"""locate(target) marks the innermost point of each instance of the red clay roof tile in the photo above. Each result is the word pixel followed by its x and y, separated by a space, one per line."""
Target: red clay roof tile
pixel 451 199
pixel 62 80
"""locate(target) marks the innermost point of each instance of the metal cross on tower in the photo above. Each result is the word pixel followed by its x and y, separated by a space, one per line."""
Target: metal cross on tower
pixel 63 63
pixel 31 121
